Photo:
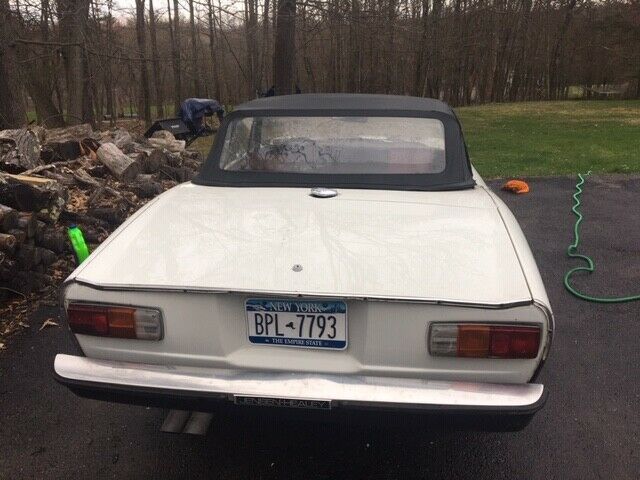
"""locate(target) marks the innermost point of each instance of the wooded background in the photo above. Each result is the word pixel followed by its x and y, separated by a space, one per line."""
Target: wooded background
pixel 72 61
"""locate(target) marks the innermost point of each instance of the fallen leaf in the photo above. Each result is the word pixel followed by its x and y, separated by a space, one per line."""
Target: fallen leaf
pixel 1 346
pixel 48 323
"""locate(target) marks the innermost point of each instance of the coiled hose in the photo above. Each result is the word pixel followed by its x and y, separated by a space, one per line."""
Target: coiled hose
pixel 572 252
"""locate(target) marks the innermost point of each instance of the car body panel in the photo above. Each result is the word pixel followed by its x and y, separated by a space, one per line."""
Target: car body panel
pixel 437 246
pixel 385 338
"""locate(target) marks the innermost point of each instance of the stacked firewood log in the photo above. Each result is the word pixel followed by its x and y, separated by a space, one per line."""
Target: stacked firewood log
pixel 52 179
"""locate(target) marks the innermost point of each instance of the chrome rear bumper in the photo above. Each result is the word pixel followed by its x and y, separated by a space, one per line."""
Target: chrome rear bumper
pixel 86 376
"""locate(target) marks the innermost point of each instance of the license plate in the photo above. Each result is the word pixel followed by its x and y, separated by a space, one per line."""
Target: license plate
pixel 297 323
pixel 252 401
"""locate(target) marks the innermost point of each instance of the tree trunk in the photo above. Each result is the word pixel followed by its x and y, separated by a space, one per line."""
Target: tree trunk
pixel 265 43
pixel 421 51
pixel 556 63
pixel 251 31
pixel 12 109
pixel 194 51
pixel 174 30
pixel 157 79
pixel 215 70
pixel 72 16
pixel 355 67
pixel 284 51
pixel 144 104
pixel 112 110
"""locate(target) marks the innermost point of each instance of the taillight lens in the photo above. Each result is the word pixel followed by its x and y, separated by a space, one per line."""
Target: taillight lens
pixel 115 321
pixel 474 340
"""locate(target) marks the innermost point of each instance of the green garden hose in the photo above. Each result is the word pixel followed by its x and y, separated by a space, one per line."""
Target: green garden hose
pixel 572 251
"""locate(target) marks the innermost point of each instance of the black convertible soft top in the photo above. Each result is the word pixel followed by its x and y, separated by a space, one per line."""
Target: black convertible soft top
pixel 456 175
pixel 346 101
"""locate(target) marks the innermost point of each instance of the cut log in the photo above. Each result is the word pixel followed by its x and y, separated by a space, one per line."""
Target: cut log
pixel 123 140
pixel 165 139
pixel 28 257
pixel 120 138
pixel 180 174
pixel 99 171
pixel 65 143
pixel 147 189
pixel 21 235
pixel 53 240
pixel 8 218
pixel 81 219
pixel 47 256
pixel 19 150
pixel 64 134
pixel 35 180
pixel 91 235
pixel 83 178
pixel 174 160
pixel 49 166
pixel 145 177
pixel 121 166
pixel 8 242
pixel 27 222
pixel 40 228
pixel 60 178
pixel 33 194
pixel 154 161
pixel 112 216
pixel 8 268
pixel 89 148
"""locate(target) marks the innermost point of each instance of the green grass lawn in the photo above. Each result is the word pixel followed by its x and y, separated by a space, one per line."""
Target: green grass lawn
pixel 553 138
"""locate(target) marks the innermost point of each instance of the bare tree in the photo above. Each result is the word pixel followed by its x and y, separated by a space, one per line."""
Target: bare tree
pixel 174 30
pixel 72 15
pixel 194 50
pixel 12 111
pixel 144 103
pixel 157 76
pixel 215 70
pixel 284 51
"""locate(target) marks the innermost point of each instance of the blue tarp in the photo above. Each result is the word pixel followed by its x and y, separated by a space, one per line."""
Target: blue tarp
pixel 193 110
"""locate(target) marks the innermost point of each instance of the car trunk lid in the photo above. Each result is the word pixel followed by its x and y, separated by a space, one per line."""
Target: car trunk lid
pixel 433 246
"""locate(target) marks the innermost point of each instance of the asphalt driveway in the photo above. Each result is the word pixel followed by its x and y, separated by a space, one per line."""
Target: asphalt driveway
pixel 588 429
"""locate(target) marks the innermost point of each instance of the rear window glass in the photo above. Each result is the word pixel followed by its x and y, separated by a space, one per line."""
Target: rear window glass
pixel 335 145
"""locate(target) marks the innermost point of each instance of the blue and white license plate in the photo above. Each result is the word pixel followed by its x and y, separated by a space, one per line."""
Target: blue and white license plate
pixel 297 323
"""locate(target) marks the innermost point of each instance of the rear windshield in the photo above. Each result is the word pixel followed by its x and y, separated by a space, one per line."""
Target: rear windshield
pixel 334 145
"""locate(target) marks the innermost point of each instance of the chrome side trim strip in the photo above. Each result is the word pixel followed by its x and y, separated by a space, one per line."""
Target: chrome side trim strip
pixel 339 389
pixel 138 288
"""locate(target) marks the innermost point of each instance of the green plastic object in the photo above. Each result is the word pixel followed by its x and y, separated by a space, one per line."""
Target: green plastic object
pixel 78 243
pixel 590 266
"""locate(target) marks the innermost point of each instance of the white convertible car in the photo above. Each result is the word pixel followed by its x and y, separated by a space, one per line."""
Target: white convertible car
pixel 335 252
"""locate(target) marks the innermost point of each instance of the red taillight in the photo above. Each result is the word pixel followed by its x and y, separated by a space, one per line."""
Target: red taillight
pixel 515 342
pixel 115 321
pixel 88 319
pixel 484 341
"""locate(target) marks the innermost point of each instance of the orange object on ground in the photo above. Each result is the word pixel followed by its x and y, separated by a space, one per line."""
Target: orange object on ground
pixel 516 186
